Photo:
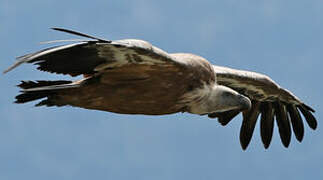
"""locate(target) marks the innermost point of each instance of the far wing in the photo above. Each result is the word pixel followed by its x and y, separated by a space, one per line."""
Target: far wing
pixel 268 100
pixel 89 57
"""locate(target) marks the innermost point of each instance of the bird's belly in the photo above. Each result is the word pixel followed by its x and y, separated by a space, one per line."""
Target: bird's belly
pixel 145 97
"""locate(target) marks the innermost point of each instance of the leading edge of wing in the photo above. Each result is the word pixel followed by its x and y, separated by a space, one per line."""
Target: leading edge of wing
pixel 104 53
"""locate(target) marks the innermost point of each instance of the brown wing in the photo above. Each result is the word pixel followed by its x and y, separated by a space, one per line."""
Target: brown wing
pixel 90 57
pixel 144 76
pixel 270 101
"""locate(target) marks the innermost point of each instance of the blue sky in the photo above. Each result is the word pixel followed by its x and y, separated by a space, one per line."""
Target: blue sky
pixel 282 39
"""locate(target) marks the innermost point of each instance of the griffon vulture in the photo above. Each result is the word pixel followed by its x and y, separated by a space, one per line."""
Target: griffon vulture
pixel 134 77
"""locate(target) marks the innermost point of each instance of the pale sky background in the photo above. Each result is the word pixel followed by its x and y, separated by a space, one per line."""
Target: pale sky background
pixel 283 39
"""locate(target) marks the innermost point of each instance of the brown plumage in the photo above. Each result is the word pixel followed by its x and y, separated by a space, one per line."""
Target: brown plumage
pixel 134 77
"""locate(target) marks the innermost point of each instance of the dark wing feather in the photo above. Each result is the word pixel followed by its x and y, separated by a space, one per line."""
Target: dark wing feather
pixel 283 123
pixel 80 34
pixel 275 102
pixel 297 123
pixel 73 59
pixel 89 57
pixel 307 112
pixel 267 123
pixel 248 124
pixel 224 117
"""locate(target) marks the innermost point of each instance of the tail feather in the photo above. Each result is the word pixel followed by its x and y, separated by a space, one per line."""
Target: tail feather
pixel 34 90
pixel 32 84
pixel 31 96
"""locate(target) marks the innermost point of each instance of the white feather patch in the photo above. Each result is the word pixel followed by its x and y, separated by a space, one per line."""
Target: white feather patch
pixel 120 53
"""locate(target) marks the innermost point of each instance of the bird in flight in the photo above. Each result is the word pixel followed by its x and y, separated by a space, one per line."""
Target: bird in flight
pixel 132 76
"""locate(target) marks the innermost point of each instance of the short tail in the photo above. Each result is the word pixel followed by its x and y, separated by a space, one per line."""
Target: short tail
pixel 34 90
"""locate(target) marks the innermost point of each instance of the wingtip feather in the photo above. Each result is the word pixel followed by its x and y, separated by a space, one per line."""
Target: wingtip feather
pixel 310 119
pixel 79 34
pixel 12 67
pixel 267 123
pixel 283 123
pixel 248 124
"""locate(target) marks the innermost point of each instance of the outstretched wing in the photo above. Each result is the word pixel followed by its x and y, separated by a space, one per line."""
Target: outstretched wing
pixel 89 57
pixel 268 100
